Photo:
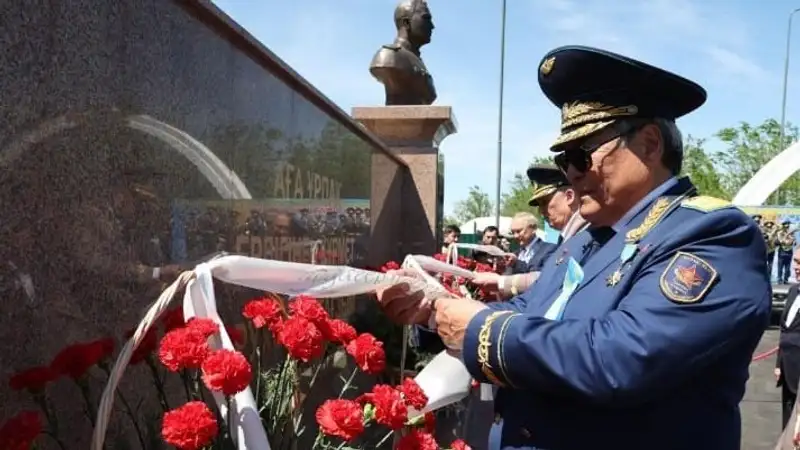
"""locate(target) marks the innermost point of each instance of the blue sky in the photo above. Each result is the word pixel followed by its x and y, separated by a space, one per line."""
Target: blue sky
pixel 734 48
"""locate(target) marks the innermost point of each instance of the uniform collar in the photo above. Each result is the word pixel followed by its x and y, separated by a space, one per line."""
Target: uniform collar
pixel 574 224
pixel 662 189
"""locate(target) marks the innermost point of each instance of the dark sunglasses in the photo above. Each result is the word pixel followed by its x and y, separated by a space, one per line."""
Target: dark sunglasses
pixel 581 157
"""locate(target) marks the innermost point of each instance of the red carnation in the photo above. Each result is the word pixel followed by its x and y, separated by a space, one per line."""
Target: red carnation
pixel 19 432
pixel 203 325
pixel 413 394
pixel 417 440
pixel 391 265
pixel 75 360
pixel 173 319
pixel 429 420
pixel 236 335
pixel 147 346
pixel 465 263
pixel 190 427
pixel 341 418
pixel 338 331
pixel 440 257
pixel 34 379
pixel 459 444
pixel 183 348
pixel 309 308
pixel 302 339
pixel 226 371
pixel 390 409
pixel 481 267
pixel 263 312
pixel 368 353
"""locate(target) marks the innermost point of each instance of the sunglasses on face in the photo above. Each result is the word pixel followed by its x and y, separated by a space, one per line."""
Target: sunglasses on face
pixel 581 157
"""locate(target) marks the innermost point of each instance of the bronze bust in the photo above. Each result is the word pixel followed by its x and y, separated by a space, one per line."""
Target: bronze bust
pixel 398 65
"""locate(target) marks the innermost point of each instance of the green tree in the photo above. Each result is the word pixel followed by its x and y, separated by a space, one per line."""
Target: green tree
pixel 477 204
pixel 699 167
pixel 519 190
pixel 748 149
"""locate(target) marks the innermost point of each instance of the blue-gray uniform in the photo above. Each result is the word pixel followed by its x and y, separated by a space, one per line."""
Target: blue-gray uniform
pixel 636 336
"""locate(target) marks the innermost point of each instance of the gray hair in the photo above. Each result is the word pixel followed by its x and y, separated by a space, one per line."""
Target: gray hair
pixel 673 144
pixel 529 219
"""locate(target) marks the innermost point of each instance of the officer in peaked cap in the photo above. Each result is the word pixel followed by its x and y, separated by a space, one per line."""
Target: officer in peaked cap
pixel 546 181
pixel 639 333
pixel 556 200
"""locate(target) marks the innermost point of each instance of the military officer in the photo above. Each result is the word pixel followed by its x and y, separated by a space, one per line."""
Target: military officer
pixel 770 235
pixel 785 240
pixel 641 336
pixel 558 204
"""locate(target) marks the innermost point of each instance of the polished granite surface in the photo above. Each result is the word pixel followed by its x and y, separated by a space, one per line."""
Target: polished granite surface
pixel 134 136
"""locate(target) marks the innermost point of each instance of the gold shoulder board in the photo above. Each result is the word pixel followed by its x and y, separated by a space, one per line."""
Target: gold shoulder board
pixel 705 203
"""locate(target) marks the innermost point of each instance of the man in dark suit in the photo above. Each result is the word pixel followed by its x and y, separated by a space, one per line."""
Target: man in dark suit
pixel 787 364
pixel 533 251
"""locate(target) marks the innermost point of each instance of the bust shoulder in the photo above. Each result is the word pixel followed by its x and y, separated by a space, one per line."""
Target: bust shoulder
pixel 394 56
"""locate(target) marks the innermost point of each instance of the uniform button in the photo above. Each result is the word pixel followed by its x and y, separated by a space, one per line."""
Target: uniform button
pixel 525 433
pixel 498 418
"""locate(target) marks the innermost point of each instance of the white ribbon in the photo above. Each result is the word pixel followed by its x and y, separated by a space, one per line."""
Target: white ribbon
pixel 444 380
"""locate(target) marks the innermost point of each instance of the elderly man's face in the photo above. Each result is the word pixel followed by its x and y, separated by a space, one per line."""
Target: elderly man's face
pixel 620 172
pixel 557 208
pixel 522 232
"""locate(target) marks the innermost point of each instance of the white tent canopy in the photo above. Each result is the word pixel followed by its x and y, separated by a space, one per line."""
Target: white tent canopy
pixel 476 226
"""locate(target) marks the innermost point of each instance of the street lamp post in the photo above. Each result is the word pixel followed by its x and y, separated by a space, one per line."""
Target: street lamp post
pixel 500 118
pixel 785 82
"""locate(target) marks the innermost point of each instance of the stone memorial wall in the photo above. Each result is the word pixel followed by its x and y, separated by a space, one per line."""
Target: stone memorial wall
pixel 138 134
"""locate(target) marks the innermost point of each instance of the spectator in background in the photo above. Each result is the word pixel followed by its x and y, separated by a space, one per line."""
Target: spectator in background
pixel 489 236
pixel 785 240
pixel 451 235
pixel 533 251
pixel 787 364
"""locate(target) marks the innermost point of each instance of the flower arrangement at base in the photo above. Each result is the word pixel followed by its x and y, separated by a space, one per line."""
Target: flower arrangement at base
pixel 462 287
pixel 281 351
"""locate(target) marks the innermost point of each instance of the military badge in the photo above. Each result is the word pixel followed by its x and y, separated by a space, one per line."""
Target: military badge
pixel 687 278
pixel 547 66
pixel 614 278
pixel 561 257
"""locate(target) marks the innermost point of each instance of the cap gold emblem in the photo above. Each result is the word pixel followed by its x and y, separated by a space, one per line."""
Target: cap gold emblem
pixel 547 66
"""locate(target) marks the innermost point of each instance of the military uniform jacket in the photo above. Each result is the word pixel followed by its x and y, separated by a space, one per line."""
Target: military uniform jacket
pixel 651 350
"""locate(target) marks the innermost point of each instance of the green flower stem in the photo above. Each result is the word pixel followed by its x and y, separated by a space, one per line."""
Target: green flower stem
pixel 347 383
pixel 127 407
pixel 55 439
pixel 186 378
pixel 259 338
pixel 90 410
pixel 385 438
pixel 159 383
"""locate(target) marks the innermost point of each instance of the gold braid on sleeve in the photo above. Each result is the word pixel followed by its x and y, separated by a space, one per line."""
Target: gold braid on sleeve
pixel 484 345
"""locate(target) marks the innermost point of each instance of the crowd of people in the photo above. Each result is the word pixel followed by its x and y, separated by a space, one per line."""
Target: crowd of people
pixel 781 241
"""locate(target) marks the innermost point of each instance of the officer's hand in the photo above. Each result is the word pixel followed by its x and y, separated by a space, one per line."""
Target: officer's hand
pixel 777 373
pixel 486 279
pixel 401 304
pixel 510 258
pixel 452 318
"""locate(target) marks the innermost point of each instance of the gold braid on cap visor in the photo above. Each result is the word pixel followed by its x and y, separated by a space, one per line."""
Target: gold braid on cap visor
pixel 580 119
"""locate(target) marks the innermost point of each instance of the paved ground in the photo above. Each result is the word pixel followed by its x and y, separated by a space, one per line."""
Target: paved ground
pixel 761 413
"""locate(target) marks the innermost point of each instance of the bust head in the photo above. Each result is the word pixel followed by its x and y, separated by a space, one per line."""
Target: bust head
pixel 413 21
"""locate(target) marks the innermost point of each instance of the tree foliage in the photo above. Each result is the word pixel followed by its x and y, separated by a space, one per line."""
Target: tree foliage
pixel 477 204
pixel 744 149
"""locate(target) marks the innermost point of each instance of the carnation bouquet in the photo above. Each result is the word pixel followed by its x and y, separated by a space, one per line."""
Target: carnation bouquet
pixel 250 386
